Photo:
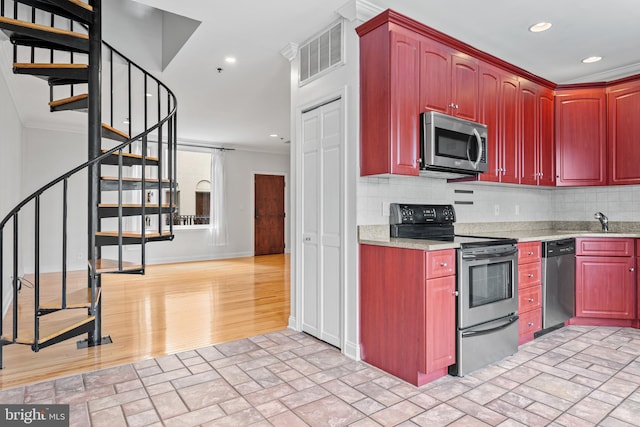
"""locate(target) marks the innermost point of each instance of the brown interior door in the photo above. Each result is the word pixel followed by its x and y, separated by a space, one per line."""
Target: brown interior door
pixel 269 215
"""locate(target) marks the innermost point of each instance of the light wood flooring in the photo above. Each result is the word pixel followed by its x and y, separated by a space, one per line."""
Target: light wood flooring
pixel 172 308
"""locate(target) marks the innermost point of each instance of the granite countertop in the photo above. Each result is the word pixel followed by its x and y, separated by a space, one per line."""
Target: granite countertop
pixel 379 235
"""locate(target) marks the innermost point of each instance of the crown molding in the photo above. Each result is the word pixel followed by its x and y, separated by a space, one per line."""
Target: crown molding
pixel 290 51
pixel 360 10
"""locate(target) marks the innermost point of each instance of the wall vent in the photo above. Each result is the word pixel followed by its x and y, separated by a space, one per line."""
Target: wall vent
pixel 321 54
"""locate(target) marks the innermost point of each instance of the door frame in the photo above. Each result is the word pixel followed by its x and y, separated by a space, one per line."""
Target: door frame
pixel 295 320
pixel 287 209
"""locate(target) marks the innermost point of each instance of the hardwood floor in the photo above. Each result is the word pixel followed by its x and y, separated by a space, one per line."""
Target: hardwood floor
pixel 172 308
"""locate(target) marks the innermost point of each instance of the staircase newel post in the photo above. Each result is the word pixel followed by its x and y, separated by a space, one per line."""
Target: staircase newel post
pixel 94 146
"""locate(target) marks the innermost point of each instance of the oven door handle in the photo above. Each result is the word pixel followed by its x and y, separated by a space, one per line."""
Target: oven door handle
pixel 511 320
pixel 491 255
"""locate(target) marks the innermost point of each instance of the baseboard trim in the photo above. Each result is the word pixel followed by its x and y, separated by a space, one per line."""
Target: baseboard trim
pixel 351 350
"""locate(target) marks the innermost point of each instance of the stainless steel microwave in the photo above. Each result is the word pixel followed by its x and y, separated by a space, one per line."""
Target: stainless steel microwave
pixel 450 144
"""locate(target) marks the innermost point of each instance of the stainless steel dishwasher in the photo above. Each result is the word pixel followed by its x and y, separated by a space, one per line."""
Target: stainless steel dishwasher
pixel 558 283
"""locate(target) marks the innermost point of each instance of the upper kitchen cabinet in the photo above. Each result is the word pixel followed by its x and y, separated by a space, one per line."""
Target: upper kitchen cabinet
pixel 389 101
pixel 448 81
pixel 581 137
pixel 498 106
pixel 624 133
pixel 536 134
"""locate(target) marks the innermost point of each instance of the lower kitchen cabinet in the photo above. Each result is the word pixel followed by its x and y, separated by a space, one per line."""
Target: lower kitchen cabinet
pixel 605 285
pixel 529 290
pixel 407 311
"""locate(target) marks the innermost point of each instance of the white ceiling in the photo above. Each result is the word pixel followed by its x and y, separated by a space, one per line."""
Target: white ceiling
pixel 249 100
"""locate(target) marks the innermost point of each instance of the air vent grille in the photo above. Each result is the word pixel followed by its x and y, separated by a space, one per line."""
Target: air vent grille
pixel 321 54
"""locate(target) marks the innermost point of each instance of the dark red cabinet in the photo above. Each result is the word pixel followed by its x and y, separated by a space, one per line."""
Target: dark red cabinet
pixel 536 134
pixel 624 133
pixel 389 101
pixel 605 278
pixel 581 137
pixel 498 95
pixel 448 80
pixel 407 311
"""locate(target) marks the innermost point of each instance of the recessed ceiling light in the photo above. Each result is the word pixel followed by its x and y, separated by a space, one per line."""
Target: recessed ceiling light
pixel 274 135
pixel 591 59
pixel 149 94
pixel 540 27
pixel 230 60
pixel 126 121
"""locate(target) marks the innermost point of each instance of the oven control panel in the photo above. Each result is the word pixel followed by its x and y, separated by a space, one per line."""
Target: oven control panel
pixel 400 213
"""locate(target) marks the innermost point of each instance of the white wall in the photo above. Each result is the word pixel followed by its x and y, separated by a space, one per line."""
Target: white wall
pixel 343 82
pixel 10 179
pixel 48 154
pixel 195 244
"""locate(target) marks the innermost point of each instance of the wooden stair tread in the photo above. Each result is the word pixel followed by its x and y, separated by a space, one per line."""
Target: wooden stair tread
pixel 111 266
pixel 25 24
pixel 134 156
pixel 80 298
pixel 51 328
pixel 132 179
pixel 68 100
pixel 49 65
pixel 82 4
pixel 132 234
pixel 114 130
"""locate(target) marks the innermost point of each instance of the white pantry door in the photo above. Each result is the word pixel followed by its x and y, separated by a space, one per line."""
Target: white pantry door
pixel 322 224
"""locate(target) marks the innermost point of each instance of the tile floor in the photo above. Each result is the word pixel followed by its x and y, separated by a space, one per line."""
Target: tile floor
pixel 576 376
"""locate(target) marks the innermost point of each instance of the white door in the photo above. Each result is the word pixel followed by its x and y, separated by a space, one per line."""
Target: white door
pixel 322 222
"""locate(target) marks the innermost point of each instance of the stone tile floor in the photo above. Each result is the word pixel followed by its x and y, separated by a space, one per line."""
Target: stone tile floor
pixel 576 376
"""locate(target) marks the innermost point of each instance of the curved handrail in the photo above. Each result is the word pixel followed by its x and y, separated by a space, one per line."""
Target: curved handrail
pixel 105 155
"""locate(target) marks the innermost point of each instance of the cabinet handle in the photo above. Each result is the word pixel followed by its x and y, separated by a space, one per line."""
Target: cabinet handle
pixel 530 324
pixel 531 300
pixel 452 105
pixel 632 269
pixel 530 253
pixel 443 264
pixel 530 275
pixel 455 293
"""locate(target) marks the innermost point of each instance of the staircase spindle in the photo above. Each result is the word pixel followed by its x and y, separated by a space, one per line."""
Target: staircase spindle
pixel 51 51
pixel 36 285
pixel 120 164
pixel 129 99
pixel 143 234
pixel 111 85
pixel 65 211
pixel 15 276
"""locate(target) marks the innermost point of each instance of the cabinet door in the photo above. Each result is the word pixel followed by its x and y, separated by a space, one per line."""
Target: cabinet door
pixel 581 137
pixel 489 105
pixel 528 133
pixel 405 113
pixel 435 76
pixel 464 86
pixel 546 144
pixel 509 138
pixel 624 133
pixel 605 287
pixel 440 323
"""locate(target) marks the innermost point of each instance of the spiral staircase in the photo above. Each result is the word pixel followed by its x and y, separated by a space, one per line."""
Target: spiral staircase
pixel 128 182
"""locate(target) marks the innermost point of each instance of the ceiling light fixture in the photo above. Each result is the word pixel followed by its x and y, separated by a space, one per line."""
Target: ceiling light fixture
pixel 230 60
pixel 126 121
pixel 592 59
pixel 274 135
pixel 540 27
pixel 149 95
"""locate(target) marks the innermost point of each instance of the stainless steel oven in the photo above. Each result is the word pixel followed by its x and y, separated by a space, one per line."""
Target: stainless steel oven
pixel 487 305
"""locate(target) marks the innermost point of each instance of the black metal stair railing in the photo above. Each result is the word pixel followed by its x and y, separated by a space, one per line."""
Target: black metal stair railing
pixel 161 135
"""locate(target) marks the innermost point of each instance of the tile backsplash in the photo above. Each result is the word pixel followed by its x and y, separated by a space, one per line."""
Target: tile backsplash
pixel 483 202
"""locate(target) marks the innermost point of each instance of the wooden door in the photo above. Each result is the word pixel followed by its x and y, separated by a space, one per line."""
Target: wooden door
pixel 440 323
pixel 269 215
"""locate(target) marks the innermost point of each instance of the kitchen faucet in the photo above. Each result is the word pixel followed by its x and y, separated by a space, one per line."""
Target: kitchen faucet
pixel 603 220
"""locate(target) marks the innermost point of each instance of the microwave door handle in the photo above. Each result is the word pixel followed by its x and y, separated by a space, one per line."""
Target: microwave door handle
pixel 479 142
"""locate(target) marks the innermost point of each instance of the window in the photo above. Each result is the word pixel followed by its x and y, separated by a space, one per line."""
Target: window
pixel 194 188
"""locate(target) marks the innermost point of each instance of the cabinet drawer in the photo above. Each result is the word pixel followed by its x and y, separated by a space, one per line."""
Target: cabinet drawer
pixel 530 322
pixel 529 275
pixel 605 246
pixel 530 299
pixel 441 263
pixel 529 252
